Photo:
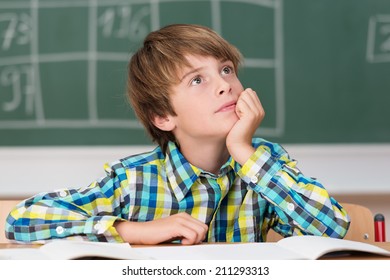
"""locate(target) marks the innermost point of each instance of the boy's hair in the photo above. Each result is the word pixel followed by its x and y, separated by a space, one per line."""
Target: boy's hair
pixel 153 70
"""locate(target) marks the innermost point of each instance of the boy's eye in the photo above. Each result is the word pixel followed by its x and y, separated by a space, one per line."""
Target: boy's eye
pixel 196 81
pixel 227 70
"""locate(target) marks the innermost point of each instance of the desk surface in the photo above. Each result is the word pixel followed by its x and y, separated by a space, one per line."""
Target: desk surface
pixel 355 256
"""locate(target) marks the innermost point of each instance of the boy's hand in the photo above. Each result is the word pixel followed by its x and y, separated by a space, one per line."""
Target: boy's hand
pixel 181 226
pixel 250 113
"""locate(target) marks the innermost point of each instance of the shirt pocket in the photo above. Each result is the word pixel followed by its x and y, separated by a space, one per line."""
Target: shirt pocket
pixel 246 229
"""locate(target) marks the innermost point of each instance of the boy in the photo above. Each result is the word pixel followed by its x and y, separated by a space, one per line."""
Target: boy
pixel 208 180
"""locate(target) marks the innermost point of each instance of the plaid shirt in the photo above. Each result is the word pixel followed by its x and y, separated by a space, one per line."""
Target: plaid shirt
pixel 241 203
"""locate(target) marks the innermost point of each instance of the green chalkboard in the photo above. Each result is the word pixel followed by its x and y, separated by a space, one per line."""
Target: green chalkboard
pixel 320 67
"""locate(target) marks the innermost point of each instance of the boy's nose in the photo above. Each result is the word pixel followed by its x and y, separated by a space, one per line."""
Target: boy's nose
pixel 224 87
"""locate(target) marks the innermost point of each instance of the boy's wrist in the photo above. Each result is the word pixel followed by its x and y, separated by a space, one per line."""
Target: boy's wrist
pixel 126 231
pixel 259 170
pixel 241 152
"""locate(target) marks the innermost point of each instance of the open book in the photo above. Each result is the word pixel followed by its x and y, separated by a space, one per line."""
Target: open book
pixel 294 248
pixel 71 249
pixel 291 248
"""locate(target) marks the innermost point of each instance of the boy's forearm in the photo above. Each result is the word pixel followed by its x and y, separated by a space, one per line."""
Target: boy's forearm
pixel 241 153
pixel 302 199
pixel 57 215
pixel 250 114
pixel 181 226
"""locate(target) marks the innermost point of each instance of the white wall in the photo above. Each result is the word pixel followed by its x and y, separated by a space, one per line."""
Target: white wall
pixel 343 169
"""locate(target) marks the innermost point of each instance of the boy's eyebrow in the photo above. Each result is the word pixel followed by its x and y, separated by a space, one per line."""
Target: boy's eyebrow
pixel 199 68
pixel 190 73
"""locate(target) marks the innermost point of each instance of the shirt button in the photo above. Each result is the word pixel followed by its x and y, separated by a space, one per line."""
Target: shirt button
pixel 254 179
pixel 60 230
pixel 98 227
pixel 290 207
pixel 63 193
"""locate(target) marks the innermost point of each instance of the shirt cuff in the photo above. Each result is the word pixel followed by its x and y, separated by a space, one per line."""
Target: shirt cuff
pixel 259 169
pixel 101 228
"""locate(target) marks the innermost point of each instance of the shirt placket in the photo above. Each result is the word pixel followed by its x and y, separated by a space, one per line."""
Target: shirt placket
pixel 221 186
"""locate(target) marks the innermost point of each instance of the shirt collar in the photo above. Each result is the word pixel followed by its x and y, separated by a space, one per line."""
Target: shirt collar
pixel 182 174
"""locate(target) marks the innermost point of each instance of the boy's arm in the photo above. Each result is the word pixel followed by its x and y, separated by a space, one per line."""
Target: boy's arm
pixel 96 213
pixel 250 114
pixel 301 203
pixel 90 212
pixel 181 226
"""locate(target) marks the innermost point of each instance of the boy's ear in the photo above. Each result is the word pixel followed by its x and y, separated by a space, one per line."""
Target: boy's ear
pixel 165 123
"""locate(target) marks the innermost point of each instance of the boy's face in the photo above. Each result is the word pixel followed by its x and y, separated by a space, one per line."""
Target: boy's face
pixel 205 98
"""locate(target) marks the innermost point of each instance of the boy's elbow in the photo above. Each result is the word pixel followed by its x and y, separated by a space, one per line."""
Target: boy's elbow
pixel 16 233
pixel 10 235
pixel 340 230
pixel 13 226
pixel 345 227
pixel 10 228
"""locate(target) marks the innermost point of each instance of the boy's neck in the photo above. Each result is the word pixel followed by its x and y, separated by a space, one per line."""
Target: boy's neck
pixel 207 155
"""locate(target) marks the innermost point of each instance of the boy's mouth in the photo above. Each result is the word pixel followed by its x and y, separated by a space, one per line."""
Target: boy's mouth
pixel 227 107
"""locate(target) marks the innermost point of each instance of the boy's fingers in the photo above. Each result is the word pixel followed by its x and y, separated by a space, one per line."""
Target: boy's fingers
pixel 248 104
pixel 188 217
pixel 243 104
pixel 252 100
pixel 257 101
pixel 192 230
pixel 252 103
pixel 198 228
pixel 190 234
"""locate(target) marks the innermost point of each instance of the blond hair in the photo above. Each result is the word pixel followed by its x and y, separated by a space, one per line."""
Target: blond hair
pixel 153 70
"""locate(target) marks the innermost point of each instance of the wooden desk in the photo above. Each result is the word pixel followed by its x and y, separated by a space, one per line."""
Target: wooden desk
pixel 355 256
pixel 15 245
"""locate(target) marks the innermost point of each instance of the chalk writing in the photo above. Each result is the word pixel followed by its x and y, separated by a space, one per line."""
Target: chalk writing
pixel 123 22
pixel 17 30
pixel 20 81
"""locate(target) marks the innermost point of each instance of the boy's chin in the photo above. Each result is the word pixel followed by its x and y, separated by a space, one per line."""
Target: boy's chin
pixel 231 119
pixel 228 126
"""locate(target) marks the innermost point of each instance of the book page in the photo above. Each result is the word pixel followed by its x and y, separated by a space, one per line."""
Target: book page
pixel 69 249
pixel 313 247
pixel 22 254
pixel 231 251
